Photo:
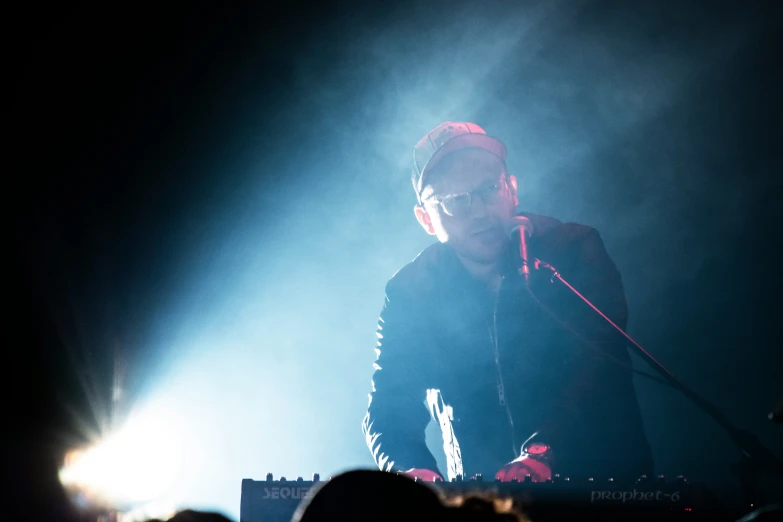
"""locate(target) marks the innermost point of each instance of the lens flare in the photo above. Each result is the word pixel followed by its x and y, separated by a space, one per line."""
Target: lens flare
pixel 134 465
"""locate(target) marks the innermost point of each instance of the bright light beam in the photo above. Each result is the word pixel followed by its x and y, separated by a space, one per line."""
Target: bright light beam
pixel 134 465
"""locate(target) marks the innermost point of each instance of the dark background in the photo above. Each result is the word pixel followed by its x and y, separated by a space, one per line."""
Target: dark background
pixel 138 133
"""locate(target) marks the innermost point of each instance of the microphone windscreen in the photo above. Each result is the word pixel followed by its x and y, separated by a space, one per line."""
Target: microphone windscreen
pixel 517 222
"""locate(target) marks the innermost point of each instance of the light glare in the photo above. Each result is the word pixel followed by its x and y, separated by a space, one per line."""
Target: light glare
pixel 134 465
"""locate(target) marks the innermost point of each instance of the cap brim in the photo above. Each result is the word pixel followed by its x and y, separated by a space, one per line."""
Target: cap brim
pixel 464 141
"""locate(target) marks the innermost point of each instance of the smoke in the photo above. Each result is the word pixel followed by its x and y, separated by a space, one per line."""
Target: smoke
pixel 264 338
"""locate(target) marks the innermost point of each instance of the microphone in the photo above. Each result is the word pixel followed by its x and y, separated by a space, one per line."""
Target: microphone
pixel 522 227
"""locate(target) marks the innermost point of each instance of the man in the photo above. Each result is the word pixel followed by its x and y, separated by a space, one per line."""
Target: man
pixel 523 378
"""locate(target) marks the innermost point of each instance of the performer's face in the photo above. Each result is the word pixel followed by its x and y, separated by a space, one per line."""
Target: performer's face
pixel 467 202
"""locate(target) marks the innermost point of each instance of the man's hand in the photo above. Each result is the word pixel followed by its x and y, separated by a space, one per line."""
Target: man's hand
pixel 425 475
pixel 523 466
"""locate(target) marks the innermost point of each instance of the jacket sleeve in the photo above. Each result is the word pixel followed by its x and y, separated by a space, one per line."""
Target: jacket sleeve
pixel 599 403
pixel 396 419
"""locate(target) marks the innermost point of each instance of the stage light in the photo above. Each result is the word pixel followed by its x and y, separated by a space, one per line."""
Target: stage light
pixel 130 467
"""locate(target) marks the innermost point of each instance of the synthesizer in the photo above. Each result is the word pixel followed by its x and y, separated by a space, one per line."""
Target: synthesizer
pixel 653 498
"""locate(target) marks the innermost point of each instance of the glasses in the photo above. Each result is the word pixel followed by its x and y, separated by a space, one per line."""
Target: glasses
pixel 457 205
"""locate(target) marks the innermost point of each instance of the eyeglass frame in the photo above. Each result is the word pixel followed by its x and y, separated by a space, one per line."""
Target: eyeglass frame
pixel 482 189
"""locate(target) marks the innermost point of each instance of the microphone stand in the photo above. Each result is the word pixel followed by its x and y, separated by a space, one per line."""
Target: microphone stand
pixel 754 457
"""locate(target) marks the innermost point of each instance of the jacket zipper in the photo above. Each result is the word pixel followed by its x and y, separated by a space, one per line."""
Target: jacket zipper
pixel 493 334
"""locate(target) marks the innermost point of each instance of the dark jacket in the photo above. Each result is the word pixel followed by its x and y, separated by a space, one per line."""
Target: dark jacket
pixel 497 371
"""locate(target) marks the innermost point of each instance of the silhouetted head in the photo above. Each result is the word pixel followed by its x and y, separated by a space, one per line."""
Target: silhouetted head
pixel 370 495
pixel 190 515
pixel 482 507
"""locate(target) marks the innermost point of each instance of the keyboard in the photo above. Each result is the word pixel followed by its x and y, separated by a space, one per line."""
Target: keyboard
pixel 648 498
